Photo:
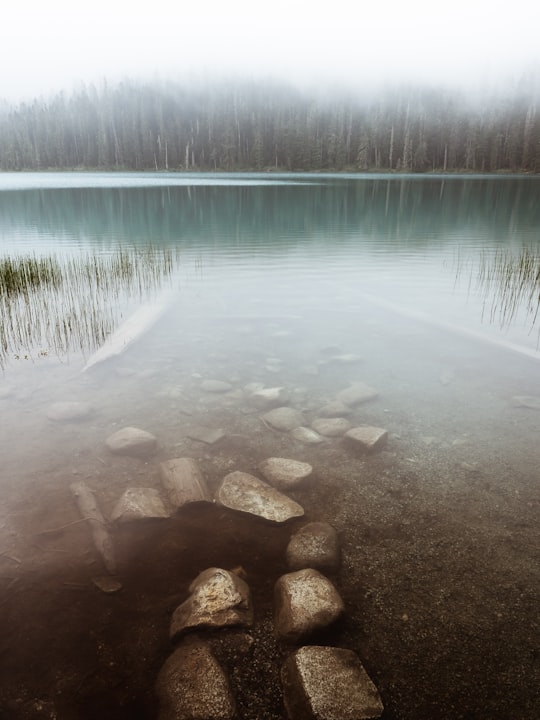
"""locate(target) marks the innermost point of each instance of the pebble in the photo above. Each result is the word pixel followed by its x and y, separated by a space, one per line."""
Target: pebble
pixel 245 493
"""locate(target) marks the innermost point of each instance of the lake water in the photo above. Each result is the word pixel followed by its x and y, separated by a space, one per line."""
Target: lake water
pixel 410 284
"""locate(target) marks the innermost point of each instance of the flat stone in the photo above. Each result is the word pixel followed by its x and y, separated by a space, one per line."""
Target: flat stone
pixel 327 683
pixel 284 418
pixel 367 439
pixel 335 409
pixel 216 386
pixel 306 435
pixel 267 398
pixel 184 481
pixel 316 545
pixel 192 685
pixel 246 493
pixel 218 598
pixel 66 411
pixel 139 503
pixel 331 427
pixel 304 602
pixel 357 393
pixel 132 441
pixel 209 436
pixel 284 473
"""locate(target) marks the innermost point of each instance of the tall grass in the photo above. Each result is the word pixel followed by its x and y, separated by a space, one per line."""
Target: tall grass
pixel 59 305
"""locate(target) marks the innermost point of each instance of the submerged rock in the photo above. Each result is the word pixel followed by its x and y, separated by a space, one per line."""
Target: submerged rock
pixel 139 503
pixel 331 427
pixel 304 602
pixel 246 493
pixel 316 545
pixel 66 411
pixel 357 393
pixel 528 401
pixel 335 409
pixel 367 438
pixel 267 398
pixel 209 436
pixel 191 685
pixel 216 386
pixel 306 435
pixel 219 598
pixel 284 473
pixel 328 683
pixel 132 441
pixel 284 418
pixel 184 481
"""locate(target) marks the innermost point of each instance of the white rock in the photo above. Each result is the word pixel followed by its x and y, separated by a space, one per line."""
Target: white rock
pixel 284 418
pixel 246 493
pixel 367 438
pixel 306 435
pixel 327 683
pixel 192 685
pixel 331 427
pixel 304 602
pixel 284 473
pixel 218 598
pixel 357 393
pixel 184 481
pixel 132 441
pixel 139 503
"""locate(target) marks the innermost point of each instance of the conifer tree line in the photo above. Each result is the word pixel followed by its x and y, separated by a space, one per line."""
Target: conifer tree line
pixel 269 126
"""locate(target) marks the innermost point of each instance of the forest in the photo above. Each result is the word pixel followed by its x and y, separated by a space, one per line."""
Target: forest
pixel 271 126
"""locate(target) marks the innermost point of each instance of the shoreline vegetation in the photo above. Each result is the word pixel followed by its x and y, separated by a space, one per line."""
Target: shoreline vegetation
pixel 244 126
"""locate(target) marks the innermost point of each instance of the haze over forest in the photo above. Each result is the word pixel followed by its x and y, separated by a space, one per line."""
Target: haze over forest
pixel 274 125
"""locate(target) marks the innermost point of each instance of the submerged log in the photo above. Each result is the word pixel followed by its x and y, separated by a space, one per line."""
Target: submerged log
pixel 90 511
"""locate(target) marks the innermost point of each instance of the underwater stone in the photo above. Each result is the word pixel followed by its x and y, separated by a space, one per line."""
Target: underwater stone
pixel 218 598
pixel 304 602
pixel 367 438
pixel 316 545
pixel 65 411
pixel 331 427
pixel 209 436
pixel 345 359
pixel 192 684
pixel 216 386
pixel 267 398
pixel 306 435
pixel 245 493
pixel 328 683
pixel 357 393
pixel 184 481
pixel 132 441
pixel 335 409
pixel 139 503
pixel 284 418
pixel 284 473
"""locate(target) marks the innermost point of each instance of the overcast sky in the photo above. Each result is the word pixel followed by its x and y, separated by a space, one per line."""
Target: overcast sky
pixel 49 45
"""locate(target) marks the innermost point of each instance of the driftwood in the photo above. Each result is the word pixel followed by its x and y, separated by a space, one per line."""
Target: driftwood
pixel 90 511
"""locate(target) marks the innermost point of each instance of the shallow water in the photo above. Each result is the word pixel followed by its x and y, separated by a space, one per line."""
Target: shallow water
pixel 308 282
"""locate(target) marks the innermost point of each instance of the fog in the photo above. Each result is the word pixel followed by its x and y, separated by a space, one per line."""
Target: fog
pixel 48 47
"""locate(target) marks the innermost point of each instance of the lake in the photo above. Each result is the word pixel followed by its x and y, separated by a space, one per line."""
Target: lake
pixel 423 288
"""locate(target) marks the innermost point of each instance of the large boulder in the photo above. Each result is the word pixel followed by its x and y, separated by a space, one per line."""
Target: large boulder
pixel 328 683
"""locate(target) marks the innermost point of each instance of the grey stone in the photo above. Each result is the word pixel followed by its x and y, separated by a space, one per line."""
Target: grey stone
pixel 191 685
pixel 216 386
pixel 306 435
pixel 367 439
pixel 327 683
pixel 284 418
pixel 66 411
pixel 335 409
pixel 331 427
pixel 357 393
pixel 284 473
pixel 184 481
pixel 304 602
pixel 316 545
pixel 132 441
pixel 139 503
pixel 207 435
pixel 267 398
pixel 246 493
pixel 218 598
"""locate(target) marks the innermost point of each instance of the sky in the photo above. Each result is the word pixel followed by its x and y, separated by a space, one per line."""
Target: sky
pixel 52 45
